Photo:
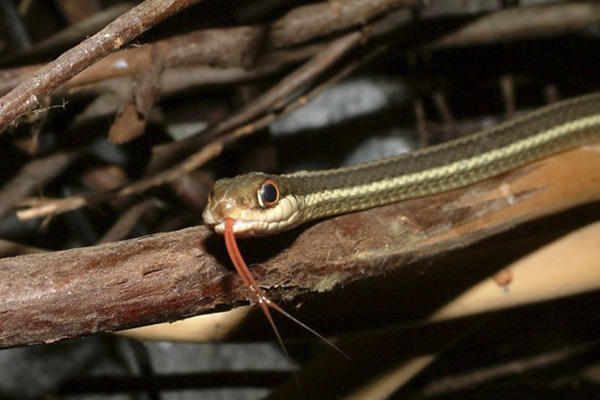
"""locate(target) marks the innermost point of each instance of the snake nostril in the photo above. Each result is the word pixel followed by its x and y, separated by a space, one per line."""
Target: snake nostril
pixel 244 201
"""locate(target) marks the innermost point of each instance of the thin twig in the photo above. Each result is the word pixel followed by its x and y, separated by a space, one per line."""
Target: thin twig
pixel 32 177
pixel 507 88
pixel 306 23
pixel 441 104
pixel 540 20
pixel 421 120
pixel 289 85
pixel 453 383
pixel 126 222
pixel 26 96
pixel 225 46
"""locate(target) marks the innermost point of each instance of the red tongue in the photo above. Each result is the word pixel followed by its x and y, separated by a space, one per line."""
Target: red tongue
pixel 242 269
pixel 259 296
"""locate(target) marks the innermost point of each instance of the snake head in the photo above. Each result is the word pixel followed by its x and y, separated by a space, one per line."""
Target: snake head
pixel 257 202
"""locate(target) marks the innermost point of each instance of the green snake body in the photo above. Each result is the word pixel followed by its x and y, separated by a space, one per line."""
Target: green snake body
pixel 304 196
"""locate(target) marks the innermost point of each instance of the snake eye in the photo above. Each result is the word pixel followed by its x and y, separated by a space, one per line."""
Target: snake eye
pixel 268 194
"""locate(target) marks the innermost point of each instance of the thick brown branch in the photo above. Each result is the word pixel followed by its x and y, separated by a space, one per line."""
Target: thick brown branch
pixel 169 276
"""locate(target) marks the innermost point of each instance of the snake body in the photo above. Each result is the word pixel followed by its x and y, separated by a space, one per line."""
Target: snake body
pixel 264 204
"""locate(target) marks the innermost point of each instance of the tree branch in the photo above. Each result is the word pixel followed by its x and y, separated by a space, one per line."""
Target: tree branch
pixel 26 96
pixel 164 277
pixel 261 105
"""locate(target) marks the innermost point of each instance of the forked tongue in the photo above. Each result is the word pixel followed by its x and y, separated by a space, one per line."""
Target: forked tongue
pixel 259 296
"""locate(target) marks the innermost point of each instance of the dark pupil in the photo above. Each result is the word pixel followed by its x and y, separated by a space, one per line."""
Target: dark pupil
pixel 269 193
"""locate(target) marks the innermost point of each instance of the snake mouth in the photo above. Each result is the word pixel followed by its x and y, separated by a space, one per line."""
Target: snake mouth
pixel 241 228
pixel 219 227
pixel 247 228
pixel 244 228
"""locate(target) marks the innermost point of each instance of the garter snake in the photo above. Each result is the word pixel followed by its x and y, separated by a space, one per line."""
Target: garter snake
pixel 263 204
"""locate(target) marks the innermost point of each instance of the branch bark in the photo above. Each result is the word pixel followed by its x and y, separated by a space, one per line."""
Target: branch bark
pixel 164 277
